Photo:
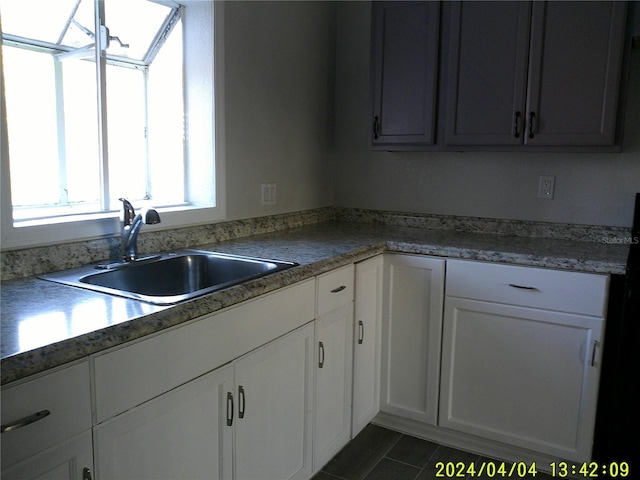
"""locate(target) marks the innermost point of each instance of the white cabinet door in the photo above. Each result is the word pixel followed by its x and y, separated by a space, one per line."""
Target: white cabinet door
pixel 527 377
pixel 181 434
pixel 332 424
pixel 366 349
pixel 274 405
pixel 70 460
pixel 411 335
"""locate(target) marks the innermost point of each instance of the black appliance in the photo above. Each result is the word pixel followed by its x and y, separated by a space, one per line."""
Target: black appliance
pixel 617 436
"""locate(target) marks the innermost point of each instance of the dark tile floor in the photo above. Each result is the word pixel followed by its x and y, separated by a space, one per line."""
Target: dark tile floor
pixel 381 454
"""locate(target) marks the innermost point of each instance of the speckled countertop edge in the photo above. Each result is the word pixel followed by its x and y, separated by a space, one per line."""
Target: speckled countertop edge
pixel 317 248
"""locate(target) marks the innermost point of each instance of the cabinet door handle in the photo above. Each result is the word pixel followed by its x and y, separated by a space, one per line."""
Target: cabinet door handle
pixel 376 127
pixel 594 349
pixel 360 332
pixel 229 409
pixel 23 422
pixel 532 116
pixel 516 124
pixel 242 401
pixel 524 287
pixel 338 289
pixel 320 354
pixel 86 473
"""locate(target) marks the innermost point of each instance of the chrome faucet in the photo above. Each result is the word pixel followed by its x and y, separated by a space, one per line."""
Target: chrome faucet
pixel 131 224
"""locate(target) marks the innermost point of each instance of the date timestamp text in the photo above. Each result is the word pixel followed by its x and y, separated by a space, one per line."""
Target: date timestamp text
pixel 491 469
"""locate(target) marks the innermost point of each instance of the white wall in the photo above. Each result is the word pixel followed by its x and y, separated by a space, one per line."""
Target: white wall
pixel 279 61
pixel 595 189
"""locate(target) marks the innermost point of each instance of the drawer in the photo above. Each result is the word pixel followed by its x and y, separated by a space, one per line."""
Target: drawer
pixel 137 372
pixel 335 289
pixel 564 291
pixel 64 393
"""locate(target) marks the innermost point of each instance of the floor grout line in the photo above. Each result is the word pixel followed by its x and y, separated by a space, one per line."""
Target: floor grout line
pixel 382 456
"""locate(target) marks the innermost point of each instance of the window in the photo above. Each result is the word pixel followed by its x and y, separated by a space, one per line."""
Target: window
pixel 91 117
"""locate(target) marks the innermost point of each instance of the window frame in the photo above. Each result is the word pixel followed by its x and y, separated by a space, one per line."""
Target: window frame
pixel 208 161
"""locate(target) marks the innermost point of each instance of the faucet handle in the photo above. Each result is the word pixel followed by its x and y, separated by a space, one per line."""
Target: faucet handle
pixel 150 216
pixel 128 212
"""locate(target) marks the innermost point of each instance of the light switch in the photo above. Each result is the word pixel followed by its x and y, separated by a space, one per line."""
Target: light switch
pixel 268 194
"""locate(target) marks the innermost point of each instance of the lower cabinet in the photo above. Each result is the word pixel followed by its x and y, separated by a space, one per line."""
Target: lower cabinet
pixel 181 434
pixel 521 360
pixel 250 419
pixel 508 362
pixel 411 336
pixel 333 364
pixel 366 346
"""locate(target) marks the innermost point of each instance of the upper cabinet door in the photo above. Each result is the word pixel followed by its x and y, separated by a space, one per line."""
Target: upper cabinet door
pixel 404 72
pixel 487 66
pixel 574 72
pixel 534 74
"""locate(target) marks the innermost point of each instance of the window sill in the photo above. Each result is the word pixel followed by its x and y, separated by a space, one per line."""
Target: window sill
pixel 40 232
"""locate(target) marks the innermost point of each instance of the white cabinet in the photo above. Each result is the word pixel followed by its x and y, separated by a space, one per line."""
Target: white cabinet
pixel 170 405
pixel 334 364
pixel 411 335
pixel 274 407
pixel 521 356
pixel 46 425
pixel 366 347
pixel 181 434
pixel 249 419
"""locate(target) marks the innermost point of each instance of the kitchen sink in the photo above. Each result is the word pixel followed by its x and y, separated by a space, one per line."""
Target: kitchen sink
pixel 169 278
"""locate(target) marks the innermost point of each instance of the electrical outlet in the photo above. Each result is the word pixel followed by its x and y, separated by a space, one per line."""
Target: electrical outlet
pixel 546 186
pixel 268 194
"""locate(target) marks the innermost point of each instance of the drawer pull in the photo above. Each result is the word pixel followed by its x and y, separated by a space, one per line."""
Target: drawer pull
pixel 23 422
pixel 338 289
pixel 524 287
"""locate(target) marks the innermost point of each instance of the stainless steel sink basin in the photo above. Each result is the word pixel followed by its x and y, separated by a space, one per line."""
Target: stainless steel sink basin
pixel 169 278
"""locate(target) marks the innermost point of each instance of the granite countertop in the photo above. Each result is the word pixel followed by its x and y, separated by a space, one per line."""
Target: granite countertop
pixel 45 324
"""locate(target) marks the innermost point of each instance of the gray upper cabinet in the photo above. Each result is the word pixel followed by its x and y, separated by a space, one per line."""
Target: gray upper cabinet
pixel 574 72
pixel 404 73
pixel 487 68
pixel 525 74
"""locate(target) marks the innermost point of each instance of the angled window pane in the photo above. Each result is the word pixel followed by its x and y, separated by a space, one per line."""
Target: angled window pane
pixel 135 23
pixel 78 29
pixel 37 19
pixel 49 21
